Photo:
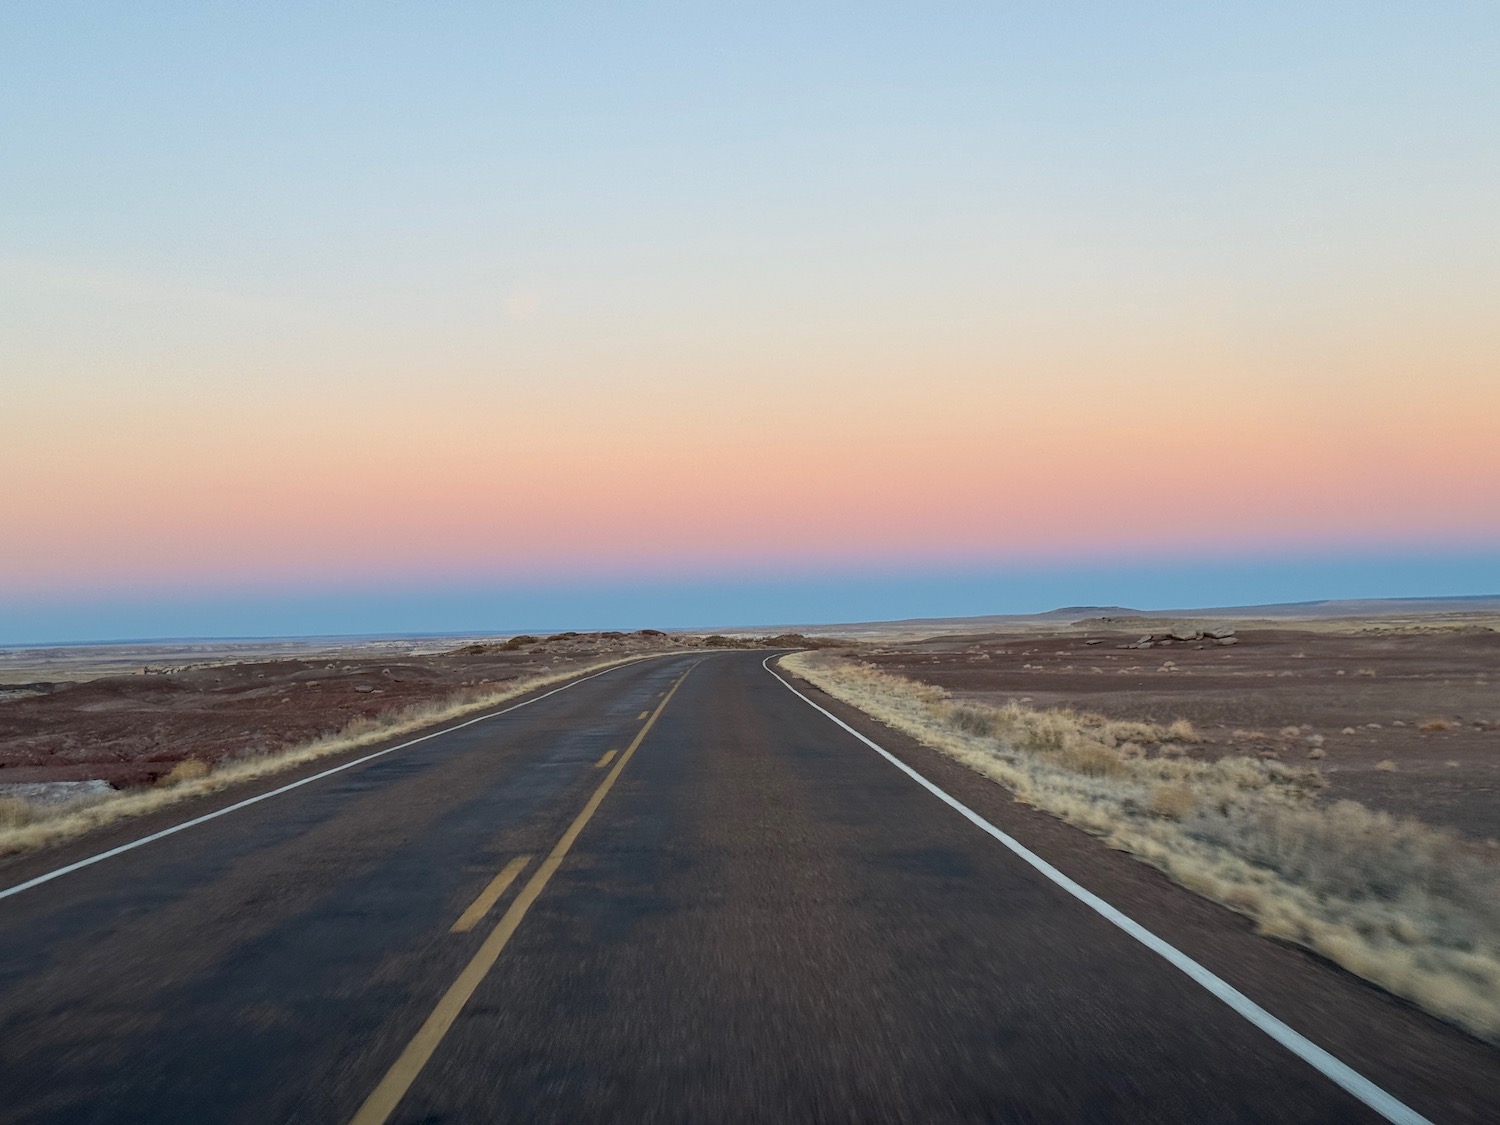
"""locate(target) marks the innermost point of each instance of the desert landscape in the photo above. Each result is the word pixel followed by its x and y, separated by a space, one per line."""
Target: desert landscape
pixel 697 563
pixel 127 716
pixel 1400 712
pixel 1401 715
pixel 80 724
pixel 1332 775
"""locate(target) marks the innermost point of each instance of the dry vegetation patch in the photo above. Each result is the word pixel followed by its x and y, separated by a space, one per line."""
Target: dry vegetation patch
pixel 1410 907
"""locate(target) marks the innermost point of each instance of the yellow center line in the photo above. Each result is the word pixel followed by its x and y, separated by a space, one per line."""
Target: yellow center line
pixel 604 761
pixel 490 895
pixel 641 716
pixel 383 1100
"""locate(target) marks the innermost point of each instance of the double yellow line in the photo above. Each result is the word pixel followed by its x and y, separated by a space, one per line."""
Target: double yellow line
pixel 382 1102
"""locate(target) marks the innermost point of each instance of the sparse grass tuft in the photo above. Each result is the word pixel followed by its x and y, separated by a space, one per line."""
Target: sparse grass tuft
pixel 1183 731
pixel 189 769
pixel 1413 908
pixel 15 813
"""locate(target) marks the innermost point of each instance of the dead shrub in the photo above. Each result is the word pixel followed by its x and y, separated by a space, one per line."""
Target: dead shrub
pixel 975 720
pixel 1089 759
pixel 1172 802
pixel 1123 730
pixel 1183 731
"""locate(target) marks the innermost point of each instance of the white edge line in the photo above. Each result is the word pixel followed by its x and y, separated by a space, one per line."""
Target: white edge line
pixel 67 869
pixel 1340 1073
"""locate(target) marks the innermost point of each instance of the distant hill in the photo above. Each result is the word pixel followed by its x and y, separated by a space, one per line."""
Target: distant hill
pixel 1313 610
pixel 1354 607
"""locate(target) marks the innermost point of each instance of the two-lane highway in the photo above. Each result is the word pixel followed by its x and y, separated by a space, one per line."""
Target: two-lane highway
pixel 673 892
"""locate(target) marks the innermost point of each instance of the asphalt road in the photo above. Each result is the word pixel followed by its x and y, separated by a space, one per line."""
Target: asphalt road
pixel 674 892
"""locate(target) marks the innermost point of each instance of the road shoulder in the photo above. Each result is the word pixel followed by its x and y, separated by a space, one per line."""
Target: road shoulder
pixel 1439 1070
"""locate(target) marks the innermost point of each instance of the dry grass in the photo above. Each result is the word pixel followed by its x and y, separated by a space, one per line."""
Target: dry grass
pixel 1174 802
pixel 1412 908
pixel 15 813
pixel 190 769
pixel 27 826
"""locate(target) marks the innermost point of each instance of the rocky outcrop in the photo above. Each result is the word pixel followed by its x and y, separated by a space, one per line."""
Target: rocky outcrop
pixel 1187 634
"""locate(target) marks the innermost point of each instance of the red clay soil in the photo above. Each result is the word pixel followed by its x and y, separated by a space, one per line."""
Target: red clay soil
pixel 1405 721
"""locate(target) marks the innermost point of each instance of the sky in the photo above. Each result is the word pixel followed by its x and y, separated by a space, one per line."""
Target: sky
pixel 350 318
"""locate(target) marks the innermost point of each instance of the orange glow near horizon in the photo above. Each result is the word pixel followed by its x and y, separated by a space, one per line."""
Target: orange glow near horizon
pixel 506 294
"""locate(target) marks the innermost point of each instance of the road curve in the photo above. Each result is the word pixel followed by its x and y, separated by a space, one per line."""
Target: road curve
pixel 670 893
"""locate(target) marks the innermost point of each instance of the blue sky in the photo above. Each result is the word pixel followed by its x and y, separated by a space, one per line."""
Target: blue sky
pixel 527 315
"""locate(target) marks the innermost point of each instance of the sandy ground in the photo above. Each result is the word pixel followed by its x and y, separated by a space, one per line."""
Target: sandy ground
pixel 88 719
pixel 1400 716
